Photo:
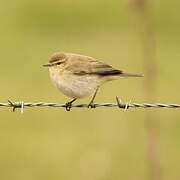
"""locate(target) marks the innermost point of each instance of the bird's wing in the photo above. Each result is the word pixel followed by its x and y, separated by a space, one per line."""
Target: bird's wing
pixel 103 69
pixel 87 65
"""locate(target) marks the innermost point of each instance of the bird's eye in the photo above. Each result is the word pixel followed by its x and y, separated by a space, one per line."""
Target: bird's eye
pixel 58 63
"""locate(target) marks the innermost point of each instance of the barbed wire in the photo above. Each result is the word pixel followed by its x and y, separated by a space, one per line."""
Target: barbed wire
pixel 119 104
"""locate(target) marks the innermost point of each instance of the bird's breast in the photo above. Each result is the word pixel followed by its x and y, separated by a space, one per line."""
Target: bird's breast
pixel 75 86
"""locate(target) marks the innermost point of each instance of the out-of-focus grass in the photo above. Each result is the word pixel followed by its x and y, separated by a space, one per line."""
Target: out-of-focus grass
pixel 84 144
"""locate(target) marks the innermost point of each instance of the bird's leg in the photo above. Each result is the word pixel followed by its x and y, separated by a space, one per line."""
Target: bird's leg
pixel 69 104
pixel 91 104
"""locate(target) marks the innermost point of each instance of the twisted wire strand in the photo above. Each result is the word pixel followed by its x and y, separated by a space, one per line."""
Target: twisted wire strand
pixel 21 105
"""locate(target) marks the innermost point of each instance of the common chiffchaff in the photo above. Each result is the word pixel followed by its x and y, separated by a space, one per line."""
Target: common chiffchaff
pixel 79 76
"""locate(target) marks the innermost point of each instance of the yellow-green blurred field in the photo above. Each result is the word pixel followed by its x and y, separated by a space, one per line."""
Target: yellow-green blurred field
pixel 86 144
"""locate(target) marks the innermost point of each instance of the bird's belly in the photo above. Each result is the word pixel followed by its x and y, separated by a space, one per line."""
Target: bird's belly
pixel 76 86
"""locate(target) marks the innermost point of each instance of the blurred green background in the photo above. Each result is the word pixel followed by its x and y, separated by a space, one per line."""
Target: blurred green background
pixel 50 143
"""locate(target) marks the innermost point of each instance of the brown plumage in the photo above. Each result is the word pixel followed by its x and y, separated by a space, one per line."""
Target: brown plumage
pixel 79 76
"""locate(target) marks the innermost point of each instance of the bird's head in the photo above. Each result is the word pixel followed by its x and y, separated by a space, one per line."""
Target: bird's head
pixel 56 60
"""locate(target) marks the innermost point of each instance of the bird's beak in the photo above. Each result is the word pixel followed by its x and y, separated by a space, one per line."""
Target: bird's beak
pixel 47 65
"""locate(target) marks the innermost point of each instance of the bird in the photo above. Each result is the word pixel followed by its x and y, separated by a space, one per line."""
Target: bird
pixel 78 76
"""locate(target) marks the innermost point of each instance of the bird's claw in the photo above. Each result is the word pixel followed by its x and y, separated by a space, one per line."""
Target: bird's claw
pixel 68 106
pixel 91 105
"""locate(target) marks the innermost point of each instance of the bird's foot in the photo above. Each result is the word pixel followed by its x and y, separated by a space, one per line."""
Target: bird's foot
pixel 68 106
pixel 91 105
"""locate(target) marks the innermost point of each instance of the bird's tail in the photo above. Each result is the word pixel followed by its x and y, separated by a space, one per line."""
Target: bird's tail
pixel 124 74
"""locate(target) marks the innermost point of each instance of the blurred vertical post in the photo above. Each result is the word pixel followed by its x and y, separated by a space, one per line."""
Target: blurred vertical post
pixel 143 9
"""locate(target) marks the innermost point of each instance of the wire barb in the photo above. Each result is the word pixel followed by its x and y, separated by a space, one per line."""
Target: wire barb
pixel 14 105
pixel 122 105
pixel 21 105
